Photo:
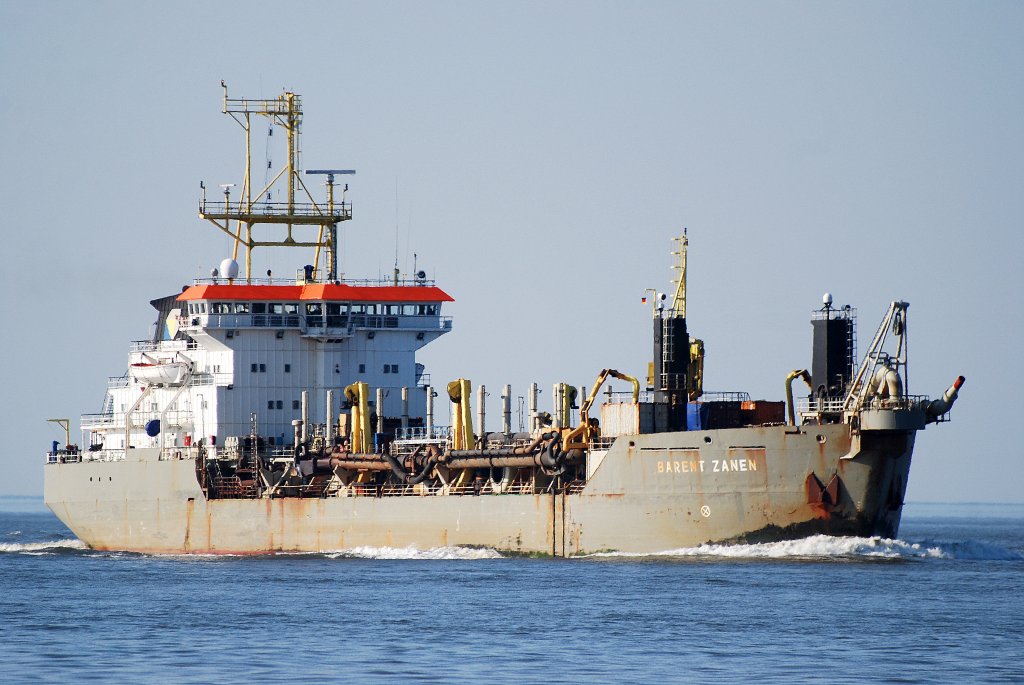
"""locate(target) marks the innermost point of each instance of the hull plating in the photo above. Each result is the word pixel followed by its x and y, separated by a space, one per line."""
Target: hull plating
pixel 648 493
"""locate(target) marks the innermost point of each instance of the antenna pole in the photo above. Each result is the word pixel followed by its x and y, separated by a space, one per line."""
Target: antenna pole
pixel 679 299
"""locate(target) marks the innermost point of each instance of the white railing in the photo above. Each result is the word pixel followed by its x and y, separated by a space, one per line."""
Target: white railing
pixel 834 405
pixel 179 453
pixel 65 457
pixel 359 282
pixel 828 405
pixel 339 323
pixel 420 433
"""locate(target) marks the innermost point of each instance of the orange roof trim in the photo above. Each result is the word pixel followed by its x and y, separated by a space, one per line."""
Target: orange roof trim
pixel 317 291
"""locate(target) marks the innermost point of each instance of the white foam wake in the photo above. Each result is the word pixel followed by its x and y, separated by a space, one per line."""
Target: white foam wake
pixel 827 547
pixel 411 552
pixel 48 547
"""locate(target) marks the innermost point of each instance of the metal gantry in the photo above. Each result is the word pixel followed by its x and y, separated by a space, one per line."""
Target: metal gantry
pixel 252 208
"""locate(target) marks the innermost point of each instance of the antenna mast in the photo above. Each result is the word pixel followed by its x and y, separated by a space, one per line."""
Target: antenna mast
pixel 679 299
pixel 284 111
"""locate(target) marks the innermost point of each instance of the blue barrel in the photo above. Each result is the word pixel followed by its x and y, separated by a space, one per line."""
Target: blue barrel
pixel 696 416
pixel 54 451
pixel 153 428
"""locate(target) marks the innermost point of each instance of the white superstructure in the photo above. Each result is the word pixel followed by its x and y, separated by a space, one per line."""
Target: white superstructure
pixel 227 354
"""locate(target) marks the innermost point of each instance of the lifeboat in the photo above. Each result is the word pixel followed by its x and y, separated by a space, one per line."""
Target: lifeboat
pixel 166 373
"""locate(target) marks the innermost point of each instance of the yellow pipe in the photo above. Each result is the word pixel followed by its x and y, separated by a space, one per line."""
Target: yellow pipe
pixel 462 424
pixel 357 394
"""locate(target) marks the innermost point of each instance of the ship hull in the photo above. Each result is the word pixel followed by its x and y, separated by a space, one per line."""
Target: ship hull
pixel 647 493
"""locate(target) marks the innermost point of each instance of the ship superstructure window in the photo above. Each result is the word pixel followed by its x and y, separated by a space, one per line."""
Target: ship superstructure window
pixel 220 308
pixel 394 368
pixel 287 368
pixel 241 307
pixel 280 404
pixel 362 368
pixel 270 404
pixel 295 404
pixel 259 307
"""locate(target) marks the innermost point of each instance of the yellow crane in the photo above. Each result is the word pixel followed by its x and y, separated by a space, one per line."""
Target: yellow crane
pixel 581 436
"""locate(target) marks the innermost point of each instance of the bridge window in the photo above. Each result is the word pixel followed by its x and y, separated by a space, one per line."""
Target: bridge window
pixel 241 307
pixel 259 307
pixel 220 308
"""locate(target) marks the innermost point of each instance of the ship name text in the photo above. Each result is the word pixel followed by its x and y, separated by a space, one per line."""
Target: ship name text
pixel 708 465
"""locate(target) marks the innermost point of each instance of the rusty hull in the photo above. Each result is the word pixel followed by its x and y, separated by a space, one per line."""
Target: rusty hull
pixel 648 493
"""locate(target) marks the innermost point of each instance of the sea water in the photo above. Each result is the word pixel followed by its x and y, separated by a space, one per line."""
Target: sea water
pixel 943 603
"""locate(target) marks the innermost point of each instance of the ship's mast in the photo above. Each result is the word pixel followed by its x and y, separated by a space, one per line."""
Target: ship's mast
pixel 251 209
pixel 679 299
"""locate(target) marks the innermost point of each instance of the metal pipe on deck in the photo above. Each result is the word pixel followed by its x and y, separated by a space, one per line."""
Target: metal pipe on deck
pixel 430 410
pixel 329 418
pixel 305 415
pixel 534 390
pixel 380 410
pixel 481 412
pixel 405 409
pixel 506 408
pixel 556 401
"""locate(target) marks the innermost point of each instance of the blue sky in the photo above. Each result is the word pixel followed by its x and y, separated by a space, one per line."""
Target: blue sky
pixel 538 157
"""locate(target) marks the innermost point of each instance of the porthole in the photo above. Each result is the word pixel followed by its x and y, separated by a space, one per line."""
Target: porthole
pixel 821 439
pixel 632 444
pixel 707 439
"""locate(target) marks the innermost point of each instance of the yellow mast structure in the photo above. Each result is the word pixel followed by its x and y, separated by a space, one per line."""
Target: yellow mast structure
pixel 679 298
pixel 256 208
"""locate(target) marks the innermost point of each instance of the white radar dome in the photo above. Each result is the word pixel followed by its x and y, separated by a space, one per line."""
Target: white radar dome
pixel 826 299
pixel 229 268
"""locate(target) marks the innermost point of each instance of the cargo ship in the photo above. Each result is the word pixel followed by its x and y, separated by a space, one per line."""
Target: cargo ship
pixel 269 415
